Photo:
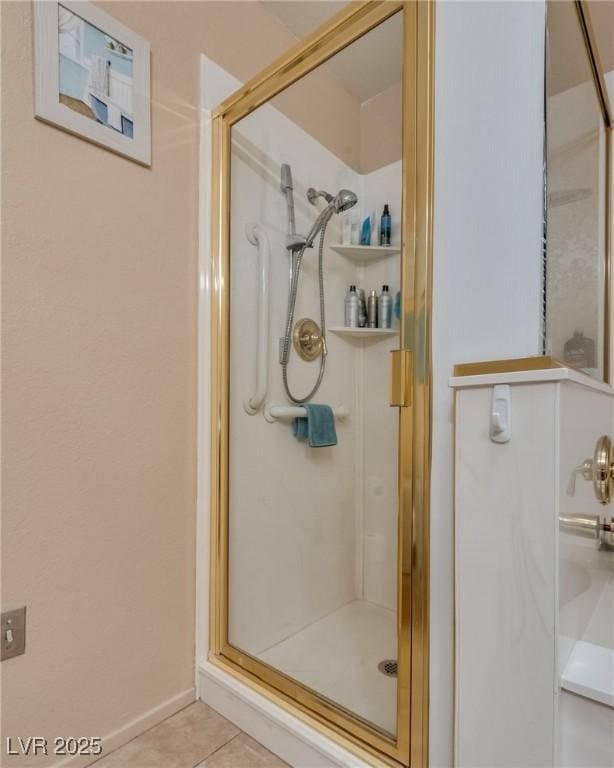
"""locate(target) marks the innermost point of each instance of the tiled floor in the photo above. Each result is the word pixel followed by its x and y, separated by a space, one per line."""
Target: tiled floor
pixel 338 657
pixel 196 737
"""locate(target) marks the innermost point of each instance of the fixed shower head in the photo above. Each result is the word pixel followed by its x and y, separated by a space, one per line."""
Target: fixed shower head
pixel 341 202
pixel 344 200
pixel 313 194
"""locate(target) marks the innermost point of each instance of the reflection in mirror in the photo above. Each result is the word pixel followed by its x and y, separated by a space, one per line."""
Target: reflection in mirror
pixel 302 17
pixel 601 15
pixel 314 313
pixel 576 201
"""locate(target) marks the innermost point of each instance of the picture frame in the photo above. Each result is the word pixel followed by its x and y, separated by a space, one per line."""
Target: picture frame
pixel 92 77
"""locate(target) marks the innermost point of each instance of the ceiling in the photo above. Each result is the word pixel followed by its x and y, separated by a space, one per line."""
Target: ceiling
pixel 370 65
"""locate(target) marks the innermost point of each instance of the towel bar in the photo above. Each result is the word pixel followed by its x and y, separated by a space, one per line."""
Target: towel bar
pixel 274 412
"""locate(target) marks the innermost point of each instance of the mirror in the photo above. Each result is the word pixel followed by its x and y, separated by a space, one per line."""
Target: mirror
pixel 601 20
pixel 576 256
pixel 314 307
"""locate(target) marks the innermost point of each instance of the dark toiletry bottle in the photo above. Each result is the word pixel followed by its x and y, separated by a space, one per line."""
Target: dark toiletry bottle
pixel 362 308
pixel 579 351
pixel 385 227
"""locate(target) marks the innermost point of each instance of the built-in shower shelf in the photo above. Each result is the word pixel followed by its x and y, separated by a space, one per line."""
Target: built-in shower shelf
pixel 364 254
pixel 363 333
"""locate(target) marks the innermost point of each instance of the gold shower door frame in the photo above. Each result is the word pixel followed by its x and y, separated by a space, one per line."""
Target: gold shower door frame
pixel 410 745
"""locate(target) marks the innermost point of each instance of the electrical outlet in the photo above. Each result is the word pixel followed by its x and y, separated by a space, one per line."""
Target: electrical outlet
pixel 13 633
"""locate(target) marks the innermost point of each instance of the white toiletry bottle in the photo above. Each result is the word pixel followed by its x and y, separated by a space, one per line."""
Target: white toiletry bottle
pixel 384 308
pixel 352 308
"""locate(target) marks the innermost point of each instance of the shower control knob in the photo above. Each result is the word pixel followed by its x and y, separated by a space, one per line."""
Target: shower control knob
pixel 308 340
pixel 602 469
pixel 599 469
pixel 586 470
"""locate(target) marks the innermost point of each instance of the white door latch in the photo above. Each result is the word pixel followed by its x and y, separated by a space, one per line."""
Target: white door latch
pixel 501 414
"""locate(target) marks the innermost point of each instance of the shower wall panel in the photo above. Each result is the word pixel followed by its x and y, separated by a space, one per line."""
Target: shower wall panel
pixel 292 507
pixel 379 497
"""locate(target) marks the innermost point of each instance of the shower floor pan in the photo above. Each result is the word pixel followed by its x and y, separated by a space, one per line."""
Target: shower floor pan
pixel 337 656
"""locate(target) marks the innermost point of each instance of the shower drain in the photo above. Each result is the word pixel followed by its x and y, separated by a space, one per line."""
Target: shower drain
pixel 388 667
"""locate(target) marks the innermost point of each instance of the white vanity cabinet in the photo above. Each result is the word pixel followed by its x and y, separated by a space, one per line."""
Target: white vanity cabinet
pixel 534 612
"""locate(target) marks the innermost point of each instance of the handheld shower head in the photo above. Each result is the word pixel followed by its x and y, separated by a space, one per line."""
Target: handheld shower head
pixel 344 200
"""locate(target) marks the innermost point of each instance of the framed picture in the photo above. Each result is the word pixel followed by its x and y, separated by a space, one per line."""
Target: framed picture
pixel 91 77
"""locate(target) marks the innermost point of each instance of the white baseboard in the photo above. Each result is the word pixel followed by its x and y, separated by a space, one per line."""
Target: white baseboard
pixel 126 733
pixel 287 736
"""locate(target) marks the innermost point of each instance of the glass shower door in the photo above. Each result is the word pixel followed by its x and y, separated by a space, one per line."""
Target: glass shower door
pixel 313 528
pixel 314 458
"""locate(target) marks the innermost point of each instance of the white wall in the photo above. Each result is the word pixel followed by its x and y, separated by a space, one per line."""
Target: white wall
pixel 380 422
pixel 487 229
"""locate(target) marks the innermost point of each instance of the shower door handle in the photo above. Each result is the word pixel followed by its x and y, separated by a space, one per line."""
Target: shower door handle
pixel 401 378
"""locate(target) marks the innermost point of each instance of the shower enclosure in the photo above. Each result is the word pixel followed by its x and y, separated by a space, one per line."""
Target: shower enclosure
pixel 320 431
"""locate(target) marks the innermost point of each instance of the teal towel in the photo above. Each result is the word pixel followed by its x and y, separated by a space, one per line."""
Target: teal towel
pixel 318 426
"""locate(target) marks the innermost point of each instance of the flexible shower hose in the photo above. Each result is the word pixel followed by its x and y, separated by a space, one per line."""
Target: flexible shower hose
pixel 320 225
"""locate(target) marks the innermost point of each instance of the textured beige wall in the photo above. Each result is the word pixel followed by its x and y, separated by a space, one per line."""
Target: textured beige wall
pixel 99 374
pixel 99 367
